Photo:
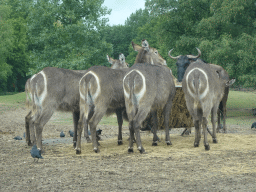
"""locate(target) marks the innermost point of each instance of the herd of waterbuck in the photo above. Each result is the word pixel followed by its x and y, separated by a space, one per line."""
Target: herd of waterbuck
pixel 132 93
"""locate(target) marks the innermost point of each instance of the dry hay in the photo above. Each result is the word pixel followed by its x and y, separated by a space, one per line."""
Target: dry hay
pixel 226 154
pixel 179 116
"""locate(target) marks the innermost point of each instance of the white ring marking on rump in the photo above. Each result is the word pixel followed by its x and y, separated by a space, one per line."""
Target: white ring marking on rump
pixel 98 85
pixel 201 96
pixel 142 91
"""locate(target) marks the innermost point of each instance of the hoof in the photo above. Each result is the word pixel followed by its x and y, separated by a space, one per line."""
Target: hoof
pixel 168 143
pixel 96 150
pixel 141 150
pixel 207 147
pixel 154 143
pixel 130 150
pixel 196 144
pixel 215 140
pixel 120 142
pixel 78 151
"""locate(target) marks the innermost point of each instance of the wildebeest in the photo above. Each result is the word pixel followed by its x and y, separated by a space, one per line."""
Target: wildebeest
pixel 147 88
pixel 183 61
pixel 203 91
pixel 47 91
pixel 101 92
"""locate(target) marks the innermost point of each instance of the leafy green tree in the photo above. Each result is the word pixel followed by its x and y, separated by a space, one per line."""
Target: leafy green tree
pixel 120 36
pixel 66 34
pixel 18 59
pixel 6 43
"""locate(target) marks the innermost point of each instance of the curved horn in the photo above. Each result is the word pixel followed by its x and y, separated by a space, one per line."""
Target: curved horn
pixel 172 56
pixel 194 57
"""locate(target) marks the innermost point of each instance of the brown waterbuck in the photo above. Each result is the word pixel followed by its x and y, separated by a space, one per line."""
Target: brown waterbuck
pixel 47 91
pixel 183 61
pixel 120 112
pixel 147 88
pixel 203 91
pixel 101 92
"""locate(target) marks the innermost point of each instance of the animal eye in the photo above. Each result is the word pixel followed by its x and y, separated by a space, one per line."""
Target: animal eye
pixel 156 52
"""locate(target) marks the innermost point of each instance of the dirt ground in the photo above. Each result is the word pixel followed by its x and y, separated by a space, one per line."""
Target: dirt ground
pixel 228 166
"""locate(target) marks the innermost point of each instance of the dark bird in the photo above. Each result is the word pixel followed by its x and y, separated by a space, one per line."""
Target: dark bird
pixel 98 132
pixel 254 125
pixel 71 133
pixel 35 153
pixel 17 138
pixel 62 134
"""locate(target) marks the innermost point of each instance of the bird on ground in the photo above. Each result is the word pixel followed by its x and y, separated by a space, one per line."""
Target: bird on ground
pixel 17 138
pixel 71 133
pixel 35 153
pixel 253 125
pixel 62 134
pixel 98 132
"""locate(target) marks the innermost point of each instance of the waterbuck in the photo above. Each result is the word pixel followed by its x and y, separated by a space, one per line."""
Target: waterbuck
pixel 47 91
pixel 120 112
pixel 183 61
pixel 147 88
pixel 203 91
pixel 101 92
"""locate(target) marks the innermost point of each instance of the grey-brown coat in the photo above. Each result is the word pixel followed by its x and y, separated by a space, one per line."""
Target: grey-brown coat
pixel 203 91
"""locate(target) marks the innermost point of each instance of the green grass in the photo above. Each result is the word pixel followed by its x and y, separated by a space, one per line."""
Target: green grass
pixel 241 100
pixel 239 108
pixel 13 98
pixel 12 101
pixel 241 120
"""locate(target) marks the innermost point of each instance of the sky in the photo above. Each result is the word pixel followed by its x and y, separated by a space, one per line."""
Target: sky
pixel 122 9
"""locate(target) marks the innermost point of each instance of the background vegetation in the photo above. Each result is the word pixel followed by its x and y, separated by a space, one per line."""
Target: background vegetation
pixel 76 35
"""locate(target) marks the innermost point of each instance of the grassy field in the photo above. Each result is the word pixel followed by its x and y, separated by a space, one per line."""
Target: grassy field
pixel 239 105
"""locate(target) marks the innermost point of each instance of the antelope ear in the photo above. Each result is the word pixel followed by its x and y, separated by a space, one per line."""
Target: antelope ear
pixel 136 47
pixel 230 82
pixel 110 60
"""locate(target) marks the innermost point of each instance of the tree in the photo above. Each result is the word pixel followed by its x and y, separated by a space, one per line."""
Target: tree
pixel 6 43
pixel 66 34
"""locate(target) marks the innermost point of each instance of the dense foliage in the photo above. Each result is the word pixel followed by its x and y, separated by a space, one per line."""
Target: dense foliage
pixel 75 35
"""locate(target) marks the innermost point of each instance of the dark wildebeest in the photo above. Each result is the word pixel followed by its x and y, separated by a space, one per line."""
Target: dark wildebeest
pixel 101 92
pixel 147 88
pixel 183 61
pixel 47 91
pixel 203 91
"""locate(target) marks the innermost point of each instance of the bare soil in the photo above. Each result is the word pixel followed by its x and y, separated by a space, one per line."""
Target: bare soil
pixel 228 166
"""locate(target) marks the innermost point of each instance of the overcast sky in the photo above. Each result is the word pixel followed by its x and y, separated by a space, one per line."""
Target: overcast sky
pixel 122 9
